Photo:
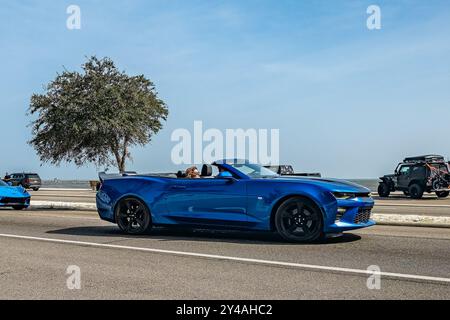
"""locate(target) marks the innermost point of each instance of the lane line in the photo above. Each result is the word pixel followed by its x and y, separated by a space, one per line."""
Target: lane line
pixel 60 217
pixel 410 277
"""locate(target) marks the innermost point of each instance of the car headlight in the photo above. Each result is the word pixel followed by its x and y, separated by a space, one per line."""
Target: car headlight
pixel 344 195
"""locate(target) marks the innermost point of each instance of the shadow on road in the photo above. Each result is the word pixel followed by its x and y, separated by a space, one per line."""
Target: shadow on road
pixel 202 235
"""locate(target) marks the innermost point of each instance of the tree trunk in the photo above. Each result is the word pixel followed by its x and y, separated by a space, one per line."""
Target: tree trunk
pixel 121 156
pixel 121 165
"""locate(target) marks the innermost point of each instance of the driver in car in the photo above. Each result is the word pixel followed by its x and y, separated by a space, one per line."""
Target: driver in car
pixel 192 173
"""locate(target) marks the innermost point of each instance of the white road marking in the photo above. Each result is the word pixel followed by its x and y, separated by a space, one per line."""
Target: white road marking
pixel 410 277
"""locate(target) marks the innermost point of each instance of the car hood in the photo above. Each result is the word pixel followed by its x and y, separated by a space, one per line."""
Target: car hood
pixel 16 192
pixel 333 185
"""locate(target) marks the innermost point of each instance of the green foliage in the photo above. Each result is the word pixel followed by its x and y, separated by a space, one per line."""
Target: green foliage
pixel 95 116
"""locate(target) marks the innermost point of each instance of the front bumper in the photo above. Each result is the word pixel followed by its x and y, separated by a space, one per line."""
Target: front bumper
pixel 13 201
pixel 353 214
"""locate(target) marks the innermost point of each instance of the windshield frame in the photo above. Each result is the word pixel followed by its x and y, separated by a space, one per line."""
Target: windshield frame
pixel 260 172
pixel 3 184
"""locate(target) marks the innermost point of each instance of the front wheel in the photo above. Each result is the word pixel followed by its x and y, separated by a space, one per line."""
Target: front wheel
pixel 384 190
pixel 299 220
pixel 443 194
pixel 133 216
pixel 35 189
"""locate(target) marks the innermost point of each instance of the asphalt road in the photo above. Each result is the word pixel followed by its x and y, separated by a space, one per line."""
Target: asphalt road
pixel 37 247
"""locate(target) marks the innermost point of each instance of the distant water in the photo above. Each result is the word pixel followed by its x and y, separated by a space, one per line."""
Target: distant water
pixel 372 184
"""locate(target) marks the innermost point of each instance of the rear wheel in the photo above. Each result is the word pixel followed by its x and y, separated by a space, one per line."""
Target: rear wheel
pixel 406 193
pixel 19 207
pixel 299 220
pixel 35 189
pixel 133 216
pixel 384 190
pixel 416 191
pixel 443 194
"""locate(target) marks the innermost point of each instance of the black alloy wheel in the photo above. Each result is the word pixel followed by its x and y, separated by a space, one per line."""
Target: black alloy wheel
pixel 299 220
pixel 133 216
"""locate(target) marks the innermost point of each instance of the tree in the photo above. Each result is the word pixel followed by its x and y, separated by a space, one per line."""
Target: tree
pixel 95 116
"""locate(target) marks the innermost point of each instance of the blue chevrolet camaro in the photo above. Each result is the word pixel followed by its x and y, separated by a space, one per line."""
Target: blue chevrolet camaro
pixel 14 197
pixel 242 195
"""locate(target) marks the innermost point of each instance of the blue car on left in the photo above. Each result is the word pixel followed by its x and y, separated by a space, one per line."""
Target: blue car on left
pixel 13 197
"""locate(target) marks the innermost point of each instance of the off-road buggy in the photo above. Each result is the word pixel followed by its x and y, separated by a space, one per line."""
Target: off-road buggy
pixel 417 175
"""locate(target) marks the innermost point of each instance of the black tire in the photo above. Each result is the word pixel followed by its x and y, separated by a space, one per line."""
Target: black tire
pixel 35 189
pixel 443 194
pixel 299 220
pixel 406 193
pixel 384 190
pixel 19 207
pixel 133 216
pixel 416 191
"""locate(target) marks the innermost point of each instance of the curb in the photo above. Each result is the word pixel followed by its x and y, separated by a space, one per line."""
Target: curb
pixel 381 219
pixel 412 220
pixel 55 205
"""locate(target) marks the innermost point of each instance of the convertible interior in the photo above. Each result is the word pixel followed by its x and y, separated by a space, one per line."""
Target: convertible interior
pixel 207 172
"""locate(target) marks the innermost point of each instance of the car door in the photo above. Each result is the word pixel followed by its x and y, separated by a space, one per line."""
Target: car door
pixel 208 201
pixel 403 177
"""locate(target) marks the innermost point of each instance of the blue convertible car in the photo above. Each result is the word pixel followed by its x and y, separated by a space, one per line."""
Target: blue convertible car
pixel 238 195
pixel 15 197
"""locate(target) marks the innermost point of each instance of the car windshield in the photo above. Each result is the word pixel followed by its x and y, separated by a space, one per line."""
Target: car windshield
pixel 254 170
pixel 3 183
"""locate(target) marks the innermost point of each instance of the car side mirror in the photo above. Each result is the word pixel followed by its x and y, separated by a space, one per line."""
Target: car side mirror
pixel 226 175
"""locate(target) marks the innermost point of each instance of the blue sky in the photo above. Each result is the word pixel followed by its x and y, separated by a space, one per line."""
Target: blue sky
pixel 349 102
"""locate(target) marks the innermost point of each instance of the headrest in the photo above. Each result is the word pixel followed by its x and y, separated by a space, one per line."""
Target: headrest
pixel 206 170
pixel 181 174
pixel 286 170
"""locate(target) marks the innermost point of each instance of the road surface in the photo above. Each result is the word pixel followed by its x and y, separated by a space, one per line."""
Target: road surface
pixel 38 246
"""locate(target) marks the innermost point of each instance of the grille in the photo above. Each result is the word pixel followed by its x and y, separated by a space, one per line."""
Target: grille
pixel 363 215
pixel 13 200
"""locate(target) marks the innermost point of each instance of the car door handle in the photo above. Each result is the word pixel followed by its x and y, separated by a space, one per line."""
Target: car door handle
pixel 178 187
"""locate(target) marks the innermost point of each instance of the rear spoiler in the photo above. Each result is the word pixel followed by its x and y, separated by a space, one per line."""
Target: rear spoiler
pixel 106 176
pixel 288 170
